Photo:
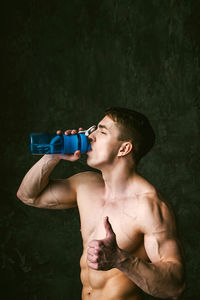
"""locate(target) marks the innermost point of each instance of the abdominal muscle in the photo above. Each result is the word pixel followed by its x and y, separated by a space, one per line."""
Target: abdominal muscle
pixel 106 285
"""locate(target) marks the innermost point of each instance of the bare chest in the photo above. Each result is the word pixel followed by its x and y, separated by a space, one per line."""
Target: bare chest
pixel 122 216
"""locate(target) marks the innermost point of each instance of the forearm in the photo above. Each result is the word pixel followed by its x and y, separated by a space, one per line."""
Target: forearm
pixel 37 178
pixel 162 279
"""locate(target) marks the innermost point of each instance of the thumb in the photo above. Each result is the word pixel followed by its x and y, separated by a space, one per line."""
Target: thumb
pixel 109 231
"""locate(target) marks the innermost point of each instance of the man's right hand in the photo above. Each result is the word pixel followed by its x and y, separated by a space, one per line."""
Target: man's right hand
pixel 71 157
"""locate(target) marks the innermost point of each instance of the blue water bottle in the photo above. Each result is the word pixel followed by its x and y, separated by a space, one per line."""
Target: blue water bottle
pixel 48 143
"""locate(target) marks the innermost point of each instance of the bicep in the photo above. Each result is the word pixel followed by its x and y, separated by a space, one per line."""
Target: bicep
pixel 161 247
pixel 160 235
pixel 58 194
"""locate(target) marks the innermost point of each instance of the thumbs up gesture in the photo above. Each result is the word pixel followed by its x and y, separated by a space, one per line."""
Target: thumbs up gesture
pixel 104 254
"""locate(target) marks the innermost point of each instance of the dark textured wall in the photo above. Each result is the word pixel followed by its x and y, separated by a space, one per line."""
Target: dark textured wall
pixel 63 63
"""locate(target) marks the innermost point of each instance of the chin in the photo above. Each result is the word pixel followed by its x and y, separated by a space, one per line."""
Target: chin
pixel 93 163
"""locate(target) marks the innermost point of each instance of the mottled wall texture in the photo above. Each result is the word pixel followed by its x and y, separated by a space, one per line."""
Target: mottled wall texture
pixel 64 62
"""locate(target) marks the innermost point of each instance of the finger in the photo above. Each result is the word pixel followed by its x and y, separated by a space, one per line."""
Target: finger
pixel 68 132
pixel 74 131
pixel 77 153
pixel 92 258
pixel 93 266
pixel 96 244
pixel 59 132
pixel 94 251
pixel 80 129
pixel 72 157
pixel 75 156
pixel 108 227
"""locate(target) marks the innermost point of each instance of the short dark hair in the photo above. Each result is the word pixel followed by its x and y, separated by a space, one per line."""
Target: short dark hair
pixel 135 127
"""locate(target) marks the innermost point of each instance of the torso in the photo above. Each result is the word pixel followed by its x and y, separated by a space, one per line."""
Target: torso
pixel 124 216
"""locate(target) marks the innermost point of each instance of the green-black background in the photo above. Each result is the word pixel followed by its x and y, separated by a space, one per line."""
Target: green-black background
pixel 63 63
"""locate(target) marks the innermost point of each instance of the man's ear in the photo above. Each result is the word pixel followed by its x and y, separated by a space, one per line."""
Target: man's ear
pixel 125 148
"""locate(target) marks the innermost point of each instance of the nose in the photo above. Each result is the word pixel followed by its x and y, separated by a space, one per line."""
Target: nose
pixel 92 136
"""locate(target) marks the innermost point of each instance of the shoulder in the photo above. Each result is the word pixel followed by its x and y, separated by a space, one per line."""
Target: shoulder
pixel 85 178
pixel 152 201
pixel 155 212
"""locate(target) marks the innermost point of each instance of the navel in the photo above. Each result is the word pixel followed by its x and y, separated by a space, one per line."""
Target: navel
pixel 89 291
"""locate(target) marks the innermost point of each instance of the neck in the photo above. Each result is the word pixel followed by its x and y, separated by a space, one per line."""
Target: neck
pixel 118 180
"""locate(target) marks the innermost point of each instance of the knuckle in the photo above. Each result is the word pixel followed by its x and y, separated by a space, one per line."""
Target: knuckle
pixel 101 245
pixel 90 258
pixel 96 259
pixel 67 131
pixel 91 251
pixel 99 252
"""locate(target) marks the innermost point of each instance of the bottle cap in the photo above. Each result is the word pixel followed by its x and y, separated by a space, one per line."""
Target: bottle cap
pixel 88 131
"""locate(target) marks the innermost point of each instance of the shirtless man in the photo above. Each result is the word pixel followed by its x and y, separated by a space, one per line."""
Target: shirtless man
pixel 129 233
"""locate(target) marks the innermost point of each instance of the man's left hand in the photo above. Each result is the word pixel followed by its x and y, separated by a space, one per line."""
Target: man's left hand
pixel 104 254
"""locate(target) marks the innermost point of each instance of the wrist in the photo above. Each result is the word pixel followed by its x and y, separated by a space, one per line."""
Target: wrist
pixel 52 157
pixel 124 258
